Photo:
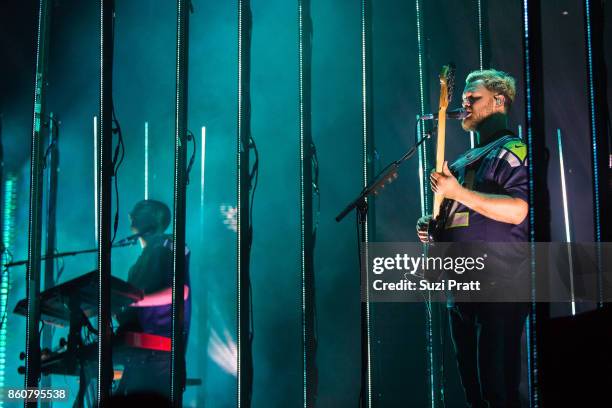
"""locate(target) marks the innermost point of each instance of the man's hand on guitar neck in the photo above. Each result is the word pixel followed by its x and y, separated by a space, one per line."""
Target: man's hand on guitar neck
pixel 502 208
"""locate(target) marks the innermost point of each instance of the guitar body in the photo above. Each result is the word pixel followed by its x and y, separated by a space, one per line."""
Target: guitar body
pixel 434 230
pixel 436 225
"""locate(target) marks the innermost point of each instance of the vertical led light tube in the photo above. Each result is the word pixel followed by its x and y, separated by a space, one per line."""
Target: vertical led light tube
pixel 480 57
pixel 592 110
pixel 423 149
pixel 302 158
pixel 366 22
pixel 480 36
pixel 568 239
pixel 95 153
pixel 421 173
pixel 307 224
pixel 594 134
pixel 244 361
pixel 239 212
pixel 146 161
pixel 104 367
pixel 177 352
pixel 529 113
pixel 203 161
pixel 8 223
pixel 423 165
pixel 530 42
pixel 531 321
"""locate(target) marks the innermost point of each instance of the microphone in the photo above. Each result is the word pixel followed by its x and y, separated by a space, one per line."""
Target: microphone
pixel 127 241
pixel 458 113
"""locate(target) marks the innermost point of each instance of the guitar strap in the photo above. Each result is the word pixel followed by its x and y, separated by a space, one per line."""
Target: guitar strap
pixel 466 174
pixel 473 155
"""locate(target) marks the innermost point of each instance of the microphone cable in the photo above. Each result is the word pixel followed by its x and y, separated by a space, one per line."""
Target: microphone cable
pixel 119 153
pixel 253 180
pixel 191 137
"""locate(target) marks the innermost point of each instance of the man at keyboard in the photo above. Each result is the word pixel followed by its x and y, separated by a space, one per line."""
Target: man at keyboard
pixel 152 273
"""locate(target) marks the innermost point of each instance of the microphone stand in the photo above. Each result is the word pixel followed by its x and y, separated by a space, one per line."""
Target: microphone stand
pixel 70 253
pixel 386 175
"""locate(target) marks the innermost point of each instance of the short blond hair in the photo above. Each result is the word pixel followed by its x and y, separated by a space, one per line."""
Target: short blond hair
pixel 496 81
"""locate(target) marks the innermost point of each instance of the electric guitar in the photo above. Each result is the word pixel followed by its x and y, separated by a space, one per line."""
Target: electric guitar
pixel 447 79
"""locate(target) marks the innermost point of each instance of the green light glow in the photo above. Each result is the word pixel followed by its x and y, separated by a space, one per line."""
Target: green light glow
pixel 8 235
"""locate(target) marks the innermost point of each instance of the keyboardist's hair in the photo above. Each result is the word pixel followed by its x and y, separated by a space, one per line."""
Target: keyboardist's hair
pixel 150 216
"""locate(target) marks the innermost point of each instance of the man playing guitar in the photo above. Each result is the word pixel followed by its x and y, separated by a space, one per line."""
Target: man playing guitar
pixel 486 201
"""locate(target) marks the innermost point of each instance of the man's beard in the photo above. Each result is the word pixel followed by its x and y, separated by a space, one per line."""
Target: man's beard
pixel 471 123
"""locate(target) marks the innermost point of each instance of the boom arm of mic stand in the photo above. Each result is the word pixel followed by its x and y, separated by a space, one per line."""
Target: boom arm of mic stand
pixel 64 254
pixel 387 174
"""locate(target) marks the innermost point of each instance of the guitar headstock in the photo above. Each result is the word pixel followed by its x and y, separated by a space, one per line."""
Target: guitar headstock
pixel 447 83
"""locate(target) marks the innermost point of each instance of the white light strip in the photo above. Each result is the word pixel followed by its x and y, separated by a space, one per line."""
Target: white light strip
pixel 566 220
pixel 471 139
pixel 423 149
pixel 480 37
pixel 563 188
pixel 302 212
pixel 95 151
pixel 202 175
pixel 238 215
pixel 421 179
pixel 423 167
pixel 146 161
pixel 366 176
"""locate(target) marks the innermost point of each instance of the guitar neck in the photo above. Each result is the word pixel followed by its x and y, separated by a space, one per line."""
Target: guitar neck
pixel 441 142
